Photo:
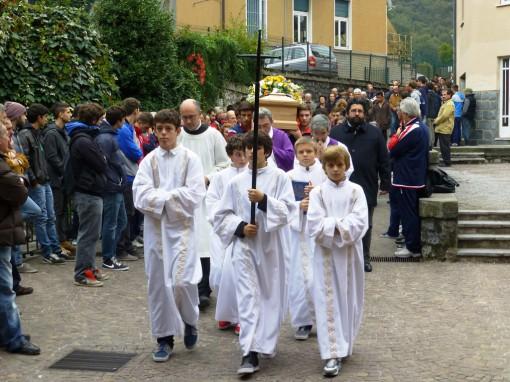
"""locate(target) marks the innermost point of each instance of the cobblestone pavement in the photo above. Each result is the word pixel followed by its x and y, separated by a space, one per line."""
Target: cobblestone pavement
pixel 482 186
pixel 423 322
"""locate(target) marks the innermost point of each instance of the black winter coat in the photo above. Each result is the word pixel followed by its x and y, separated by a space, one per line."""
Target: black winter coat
pixel 32 145
pixel 56 150
pixel 107 142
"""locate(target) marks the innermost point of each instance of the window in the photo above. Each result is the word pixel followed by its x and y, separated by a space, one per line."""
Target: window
pixel 256 16
pixel 342 33
pixel 298 53
pixel 301 21
pixel 505 97
pixel 505 2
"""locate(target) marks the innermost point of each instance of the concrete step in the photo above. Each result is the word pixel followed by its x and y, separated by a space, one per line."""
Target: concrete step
pixel 484 254
pixel 485 215
pixel 484 226
pixel 478 154
pixel 468 160
pixel 489 241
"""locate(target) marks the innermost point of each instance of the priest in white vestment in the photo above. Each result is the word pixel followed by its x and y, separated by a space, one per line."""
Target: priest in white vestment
pixel 337 220
pixel 258 250
pixel 209 145
pixel 168 189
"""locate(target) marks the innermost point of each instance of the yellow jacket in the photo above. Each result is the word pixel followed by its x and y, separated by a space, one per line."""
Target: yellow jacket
pixel 444 121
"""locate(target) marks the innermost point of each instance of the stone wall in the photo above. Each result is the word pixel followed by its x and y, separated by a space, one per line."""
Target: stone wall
pixel 439 215
pixel 486 119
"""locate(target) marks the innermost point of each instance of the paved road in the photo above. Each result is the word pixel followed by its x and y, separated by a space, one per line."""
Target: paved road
pixel 423 322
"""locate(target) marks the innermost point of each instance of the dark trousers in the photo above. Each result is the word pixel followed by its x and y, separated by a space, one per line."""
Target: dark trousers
pixel 367 239
pixel 60 204
pixel 124 243
pixel 407 202
pixel 203 286
pixel 444 146
pixel 393 228
pixel 457 126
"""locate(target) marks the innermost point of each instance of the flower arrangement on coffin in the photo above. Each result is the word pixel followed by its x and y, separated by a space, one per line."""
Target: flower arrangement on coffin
pixel 276 85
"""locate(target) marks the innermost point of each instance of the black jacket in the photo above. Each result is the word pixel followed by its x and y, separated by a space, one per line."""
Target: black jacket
pixel 56 150
pixel 31 143
pixel 369 156
pixel 88 162
pixel 107 142
pixel 13 194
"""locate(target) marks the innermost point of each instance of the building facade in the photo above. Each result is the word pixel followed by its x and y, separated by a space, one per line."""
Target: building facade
pixel 483 64
pixel 357 25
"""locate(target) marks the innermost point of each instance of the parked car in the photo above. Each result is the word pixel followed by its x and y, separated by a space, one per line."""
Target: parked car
pixel 295 59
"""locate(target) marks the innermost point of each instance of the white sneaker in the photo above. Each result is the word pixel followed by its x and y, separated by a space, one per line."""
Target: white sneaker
pixel 332 367
pixel 404 253
pixel 136 244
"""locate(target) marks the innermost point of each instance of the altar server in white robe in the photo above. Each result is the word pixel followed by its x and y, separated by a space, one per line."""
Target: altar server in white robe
pixel 306 174
pixel 209 144
pixel 222 277
pixel 337 220
pixel 258 250
pixel 168 189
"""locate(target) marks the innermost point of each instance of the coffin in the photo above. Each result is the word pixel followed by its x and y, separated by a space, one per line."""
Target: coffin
pixel 284 110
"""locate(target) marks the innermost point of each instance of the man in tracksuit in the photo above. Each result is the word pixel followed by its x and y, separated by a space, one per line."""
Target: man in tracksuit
pixel 409 150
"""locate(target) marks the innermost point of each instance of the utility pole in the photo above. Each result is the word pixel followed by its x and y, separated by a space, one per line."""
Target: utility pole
pixel 454 66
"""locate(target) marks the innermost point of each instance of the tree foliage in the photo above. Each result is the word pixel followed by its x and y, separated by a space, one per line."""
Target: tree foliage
pixel 50 54
pixel 429 22
pixel 146 52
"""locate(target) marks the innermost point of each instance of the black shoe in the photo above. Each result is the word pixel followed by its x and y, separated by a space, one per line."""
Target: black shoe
pixel 21 290
pixel 368 267
pixel 249 364
pixel 27 348
pixel 303 333
pixel 204 302
pixel 190 336
pixel 444 165
pixel 114 265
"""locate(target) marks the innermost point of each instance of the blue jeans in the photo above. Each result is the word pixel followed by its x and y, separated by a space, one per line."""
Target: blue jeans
pixel 90 211
pixel 45 230
pixel 29 211
pixel 114 222
pixel 457 123
pixel 10 324
pixel 466 129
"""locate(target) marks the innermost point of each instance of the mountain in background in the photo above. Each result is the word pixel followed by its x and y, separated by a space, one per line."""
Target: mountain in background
pixel 430 24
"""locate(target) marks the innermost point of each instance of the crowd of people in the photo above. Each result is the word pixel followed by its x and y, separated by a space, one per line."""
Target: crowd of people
pixel 178 184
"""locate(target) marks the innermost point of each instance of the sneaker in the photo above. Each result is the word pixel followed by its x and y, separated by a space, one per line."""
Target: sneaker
pixel 114 265
pixel 404 253
pixel 26 268
pixel 223 325
pixel 88 280
pixel 100 276
pixel 237 329
pixel 162 352
pixel 127 257
pixel 53 259
pixel 190 336
pixel 66 256
pixel 303 333
pixel 332 367
pixel 249 364
pixel 135 243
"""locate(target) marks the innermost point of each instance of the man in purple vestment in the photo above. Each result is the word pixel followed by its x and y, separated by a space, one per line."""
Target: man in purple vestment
pixel 283 151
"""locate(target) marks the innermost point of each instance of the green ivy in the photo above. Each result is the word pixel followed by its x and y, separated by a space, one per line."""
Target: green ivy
pixel 51 54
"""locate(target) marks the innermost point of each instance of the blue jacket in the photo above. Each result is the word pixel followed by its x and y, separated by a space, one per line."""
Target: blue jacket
pixel 128 146
pixel 458 101
pixel 410 156
pixel 107 142
pixel 424 101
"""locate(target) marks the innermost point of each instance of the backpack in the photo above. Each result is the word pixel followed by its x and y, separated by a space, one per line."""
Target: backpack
pixel 441 182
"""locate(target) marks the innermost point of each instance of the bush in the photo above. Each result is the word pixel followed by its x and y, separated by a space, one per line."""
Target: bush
pixel 219 51
pixel 146 54
pixel 50 54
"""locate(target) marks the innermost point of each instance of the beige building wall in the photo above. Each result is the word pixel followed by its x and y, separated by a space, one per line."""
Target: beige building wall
pixel 323 27
pixel 483 36
pixel 199 16
pixel 369 26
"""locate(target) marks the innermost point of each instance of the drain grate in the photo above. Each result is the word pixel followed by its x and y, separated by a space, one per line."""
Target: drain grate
pixel 393 259
pixel 93 361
